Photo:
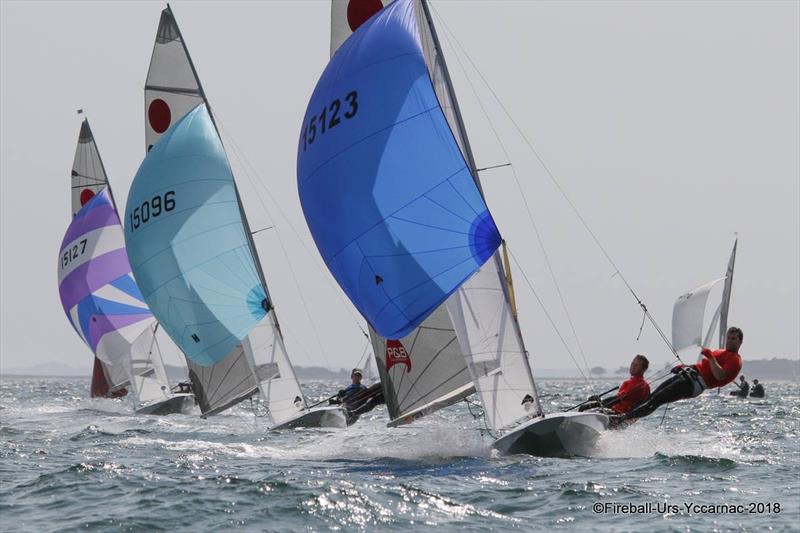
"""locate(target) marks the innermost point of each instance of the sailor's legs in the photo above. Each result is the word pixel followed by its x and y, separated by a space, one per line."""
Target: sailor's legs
pixel 675 388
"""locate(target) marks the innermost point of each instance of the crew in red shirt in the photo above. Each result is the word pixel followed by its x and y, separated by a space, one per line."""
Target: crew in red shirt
pixel 630 393
pixel 729 361
pixel 719 368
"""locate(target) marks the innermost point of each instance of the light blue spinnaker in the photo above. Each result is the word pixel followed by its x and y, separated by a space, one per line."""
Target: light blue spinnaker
pixel 387 193
pixel 188 245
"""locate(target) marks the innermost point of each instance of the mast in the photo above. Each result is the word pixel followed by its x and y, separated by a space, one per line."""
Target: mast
pixel 726 297
pixel 99 158
pixel 473 170
pixel 509 281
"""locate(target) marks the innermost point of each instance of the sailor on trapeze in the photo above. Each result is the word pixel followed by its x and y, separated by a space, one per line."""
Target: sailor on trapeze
pixel 719 368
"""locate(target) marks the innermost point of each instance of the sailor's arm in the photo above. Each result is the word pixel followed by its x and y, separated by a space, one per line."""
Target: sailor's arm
pixel 716 370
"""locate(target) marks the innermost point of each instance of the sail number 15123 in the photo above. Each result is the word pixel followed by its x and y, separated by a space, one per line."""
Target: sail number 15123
pixel 329 118
pixel 151 209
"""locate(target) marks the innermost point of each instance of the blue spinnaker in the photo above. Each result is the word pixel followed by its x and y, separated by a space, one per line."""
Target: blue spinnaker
pixel 386 192
pixel 187 243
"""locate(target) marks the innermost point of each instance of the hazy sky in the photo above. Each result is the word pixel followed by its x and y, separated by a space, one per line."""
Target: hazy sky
pixel 671 125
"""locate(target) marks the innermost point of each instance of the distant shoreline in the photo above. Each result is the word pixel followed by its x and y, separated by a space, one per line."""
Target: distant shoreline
pixel 775 369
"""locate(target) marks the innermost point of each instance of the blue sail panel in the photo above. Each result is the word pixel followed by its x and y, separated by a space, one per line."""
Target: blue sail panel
pixel 188 245
pixel 386 192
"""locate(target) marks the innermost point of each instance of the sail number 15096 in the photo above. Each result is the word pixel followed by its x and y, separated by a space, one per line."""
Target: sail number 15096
pixel 151 209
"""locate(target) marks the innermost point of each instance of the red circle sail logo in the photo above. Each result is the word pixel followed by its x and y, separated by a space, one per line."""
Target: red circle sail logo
pixel 360 11
pixel 86 195
pixel 159 115
pixel 396 354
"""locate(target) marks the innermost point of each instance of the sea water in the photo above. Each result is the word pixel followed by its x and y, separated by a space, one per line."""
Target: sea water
pixel 68 462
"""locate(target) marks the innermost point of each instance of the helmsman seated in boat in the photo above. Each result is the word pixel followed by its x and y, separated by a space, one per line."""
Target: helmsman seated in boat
pixel 758 390
pixel 630 393
pixel 354 387
pixel 717 369
pixel 743 386
pixel 358 398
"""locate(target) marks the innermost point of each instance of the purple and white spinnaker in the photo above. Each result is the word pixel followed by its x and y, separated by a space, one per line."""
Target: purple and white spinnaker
pixel 99 294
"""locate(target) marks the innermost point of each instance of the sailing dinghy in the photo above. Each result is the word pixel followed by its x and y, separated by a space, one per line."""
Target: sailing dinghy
pixel 409 235
pixel 190 243
pixel 424 370
pixel 688 314
pixel 100 296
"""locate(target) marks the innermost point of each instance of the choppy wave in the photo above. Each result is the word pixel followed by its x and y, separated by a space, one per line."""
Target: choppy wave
pixel 69 462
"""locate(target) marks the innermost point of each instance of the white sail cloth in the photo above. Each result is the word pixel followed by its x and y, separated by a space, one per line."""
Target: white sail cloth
pixel 687 317
pixel 276 378
pixel 494 352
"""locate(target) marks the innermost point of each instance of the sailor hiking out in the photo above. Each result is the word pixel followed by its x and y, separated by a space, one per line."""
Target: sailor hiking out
pixel 717 369
pixel 630 393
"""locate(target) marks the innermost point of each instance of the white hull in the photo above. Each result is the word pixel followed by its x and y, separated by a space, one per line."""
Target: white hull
pixel 555 435
pixel 323 417
pixel 179 403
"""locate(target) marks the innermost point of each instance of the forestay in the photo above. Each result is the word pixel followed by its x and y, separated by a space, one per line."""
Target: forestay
pixel 438 376
pixel 409 224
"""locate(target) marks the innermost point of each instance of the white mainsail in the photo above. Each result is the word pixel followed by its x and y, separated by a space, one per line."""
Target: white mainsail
pixel 687 317
pixel 688 314
pixel 422 372
pixel 278 382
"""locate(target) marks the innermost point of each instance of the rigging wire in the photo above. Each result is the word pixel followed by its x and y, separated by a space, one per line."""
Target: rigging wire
pixel 480 415
pixel 547 314
pixel 314 258
pixel 240 156
pixel 564 194
pixel 364 355
pixel 535 226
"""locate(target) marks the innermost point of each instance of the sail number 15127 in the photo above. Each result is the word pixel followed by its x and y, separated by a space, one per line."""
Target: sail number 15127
pixel 329 118
pixel 151 209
